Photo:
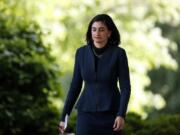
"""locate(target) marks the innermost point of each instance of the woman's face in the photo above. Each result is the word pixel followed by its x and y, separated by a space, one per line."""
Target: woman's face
pixel 100 34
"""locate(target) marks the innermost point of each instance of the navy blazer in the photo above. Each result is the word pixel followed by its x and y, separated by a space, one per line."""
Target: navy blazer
pixel 100 92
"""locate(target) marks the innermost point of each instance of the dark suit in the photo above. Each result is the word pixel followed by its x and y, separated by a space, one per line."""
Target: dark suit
pixel 100 92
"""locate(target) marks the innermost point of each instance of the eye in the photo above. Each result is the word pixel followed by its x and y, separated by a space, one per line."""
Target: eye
pixel 93 29
pixel 101 29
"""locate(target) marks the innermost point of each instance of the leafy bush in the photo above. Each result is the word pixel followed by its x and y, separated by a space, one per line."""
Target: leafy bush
pixel 28 78
pixel 162 125
pixel 133 124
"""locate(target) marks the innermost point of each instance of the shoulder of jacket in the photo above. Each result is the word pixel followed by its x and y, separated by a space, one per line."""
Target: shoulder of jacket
pixel 81 49
pixel 119 49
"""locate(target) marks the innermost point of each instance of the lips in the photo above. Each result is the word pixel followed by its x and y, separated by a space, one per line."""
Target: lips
pixel 97 37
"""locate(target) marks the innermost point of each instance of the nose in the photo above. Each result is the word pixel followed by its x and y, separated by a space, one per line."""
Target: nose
pixel 97 32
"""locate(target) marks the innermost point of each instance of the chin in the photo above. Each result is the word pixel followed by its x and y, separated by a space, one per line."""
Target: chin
pixel 98 41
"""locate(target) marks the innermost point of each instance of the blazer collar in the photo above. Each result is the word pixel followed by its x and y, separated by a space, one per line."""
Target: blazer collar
pixel 106 52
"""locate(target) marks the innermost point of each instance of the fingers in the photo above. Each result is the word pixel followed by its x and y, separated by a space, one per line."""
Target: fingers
pixel 61 127
pixel 115 124
pixel 118 124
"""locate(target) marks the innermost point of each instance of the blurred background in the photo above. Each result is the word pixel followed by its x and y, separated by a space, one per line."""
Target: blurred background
pixel 38 39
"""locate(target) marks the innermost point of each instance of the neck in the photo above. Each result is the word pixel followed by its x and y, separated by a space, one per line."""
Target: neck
pixel 100 45
pixel 98 52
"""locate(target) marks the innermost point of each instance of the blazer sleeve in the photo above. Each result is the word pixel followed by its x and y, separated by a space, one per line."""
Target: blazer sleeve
pixel 75 88
pixel 124 82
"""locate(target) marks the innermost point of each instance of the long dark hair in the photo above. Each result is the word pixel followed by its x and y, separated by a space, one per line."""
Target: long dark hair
pixel 114 39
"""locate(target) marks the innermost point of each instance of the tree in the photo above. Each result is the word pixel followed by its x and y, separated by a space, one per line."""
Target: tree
pixel 169 86
pixel 147 49
pixel 29 79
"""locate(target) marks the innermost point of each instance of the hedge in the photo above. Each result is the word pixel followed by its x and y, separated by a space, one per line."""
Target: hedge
pixel 29 75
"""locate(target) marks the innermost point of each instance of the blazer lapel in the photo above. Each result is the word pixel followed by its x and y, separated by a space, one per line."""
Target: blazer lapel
pixel 91 58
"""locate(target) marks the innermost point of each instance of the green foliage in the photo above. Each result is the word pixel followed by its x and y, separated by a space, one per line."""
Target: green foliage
pixel 67 22
pixel 29 77
pixel 147 49
pixel 169 85
pixel 162 125
pixel 72 123
pixel 133 123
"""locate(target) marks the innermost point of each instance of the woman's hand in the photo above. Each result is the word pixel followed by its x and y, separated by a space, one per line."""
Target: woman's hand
pixel 61 127
pixel 118 123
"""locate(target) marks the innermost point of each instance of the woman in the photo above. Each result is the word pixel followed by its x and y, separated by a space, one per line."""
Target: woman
pixel 100 65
